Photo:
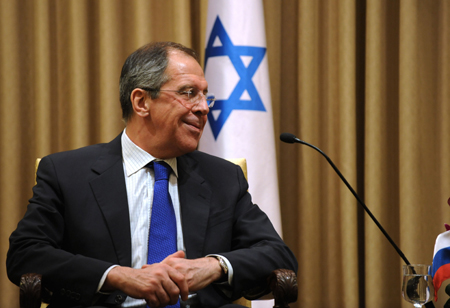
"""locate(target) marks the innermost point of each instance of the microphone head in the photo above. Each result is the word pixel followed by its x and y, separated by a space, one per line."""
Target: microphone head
pixel 288 138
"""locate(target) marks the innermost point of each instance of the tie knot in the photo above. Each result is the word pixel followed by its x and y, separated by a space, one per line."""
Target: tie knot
pixel 162 170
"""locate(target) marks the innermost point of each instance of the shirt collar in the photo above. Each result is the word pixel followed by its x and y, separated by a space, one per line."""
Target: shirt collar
pixel 136 158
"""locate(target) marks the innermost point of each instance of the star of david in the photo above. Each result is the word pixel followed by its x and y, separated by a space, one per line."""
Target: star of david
pixel 238 100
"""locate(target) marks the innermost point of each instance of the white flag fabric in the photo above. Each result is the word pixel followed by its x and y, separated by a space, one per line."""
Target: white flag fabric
pixel 240 124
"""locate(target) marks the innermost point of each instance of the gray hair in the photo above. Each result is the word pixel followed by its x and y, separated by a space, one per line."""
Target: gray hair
pixel 145 68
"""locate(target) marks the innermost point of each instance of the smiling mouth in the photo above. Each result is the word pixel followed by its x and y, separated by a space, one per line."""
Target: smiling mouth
pixel 197 126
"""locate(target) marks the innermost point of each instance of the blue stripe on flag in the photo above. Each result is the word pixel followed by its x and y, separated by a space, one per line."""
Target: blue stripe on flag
pixel 441 258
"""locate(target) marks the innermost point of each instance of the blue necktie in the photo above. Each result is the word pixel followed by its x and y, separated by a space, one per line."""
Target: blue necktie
pixel 162 238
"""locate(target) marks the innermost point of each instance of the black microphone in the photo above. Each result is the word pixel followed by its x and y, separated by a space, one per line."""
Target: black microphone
pixel 290 138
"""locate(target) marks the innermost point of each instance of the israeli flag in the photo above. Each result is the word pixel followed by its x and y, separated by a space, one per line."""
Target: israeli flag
pixel 240 124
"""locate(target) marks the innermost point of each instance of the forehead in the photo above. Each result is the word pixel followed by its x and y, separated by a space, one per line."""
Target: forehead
pixel 185 71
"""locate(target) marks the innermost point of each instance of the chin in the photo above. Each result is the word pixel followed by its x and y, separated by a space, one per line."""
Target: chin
pixel 188 147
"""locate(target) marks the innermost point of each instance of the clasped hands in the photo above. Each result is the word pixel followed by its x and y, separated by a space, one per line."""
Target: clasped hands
pixel 161 284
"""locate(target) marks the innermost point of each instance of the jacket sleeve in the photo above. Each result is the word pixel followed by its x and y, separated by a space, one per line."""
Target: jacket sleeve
pixel 39 244
pixel 256 248
pixel 236 228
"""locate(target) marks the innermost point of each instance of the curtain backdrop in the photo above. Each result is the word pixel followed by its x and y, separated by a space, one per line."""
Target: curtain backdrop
pixel 367 81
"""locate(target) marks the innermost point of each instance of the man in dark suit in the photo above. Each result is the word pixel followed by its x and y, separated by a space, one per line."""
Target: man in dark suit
pixel 87 225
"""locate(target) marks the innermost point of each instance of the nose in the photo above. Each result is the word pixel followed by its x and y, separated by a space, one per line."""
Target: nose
pixel 201 106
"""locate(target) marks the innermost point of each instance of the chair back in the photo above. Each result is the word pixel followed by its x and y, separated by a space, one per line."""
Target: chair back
pixel 241 162
pixel 36 164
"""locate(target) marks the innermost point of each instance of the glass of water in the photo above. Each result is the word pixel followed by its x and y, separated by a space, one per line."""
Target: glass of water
pixel 417 285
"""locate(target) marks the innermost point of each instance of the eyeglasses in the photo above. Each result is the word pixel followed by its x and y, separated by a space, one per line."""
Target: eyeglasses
pixel 191 97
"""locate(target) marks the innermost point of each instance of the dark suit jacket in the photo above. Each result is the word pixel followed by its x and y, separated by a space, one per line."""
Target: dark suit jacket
pixel 77 225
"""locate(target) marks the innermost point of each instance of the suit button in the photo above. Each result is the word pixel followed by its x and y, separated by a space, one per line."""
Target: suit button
pixel 119 299
pixel 63 291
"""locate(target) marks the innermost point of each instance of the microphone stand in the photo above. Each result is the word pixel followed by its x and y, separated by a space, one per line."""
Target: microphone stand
pixel 290 138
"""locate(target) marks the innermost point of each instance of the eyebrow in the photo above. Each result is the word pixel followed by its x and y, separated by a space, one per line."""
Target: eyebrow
pixel 190 86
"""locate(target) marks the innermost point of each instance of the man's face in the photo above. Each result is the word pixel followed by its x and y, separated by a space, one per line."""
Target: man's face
pixel 176 128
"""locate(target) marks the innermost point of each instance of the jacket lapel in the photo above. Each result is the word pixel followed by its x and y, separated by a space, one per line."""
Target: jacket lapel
pixel 195 199
pixel 109 189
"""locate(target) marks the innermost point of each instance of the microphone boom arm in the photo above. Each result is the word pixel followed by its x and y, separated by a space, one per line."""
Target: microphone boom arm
pixel 401 254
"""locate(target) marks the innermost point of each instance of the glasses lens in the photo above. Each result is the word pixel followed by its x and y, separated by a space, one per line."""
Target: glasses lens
pixel 210 102
pixel 210 99
pixel 195 100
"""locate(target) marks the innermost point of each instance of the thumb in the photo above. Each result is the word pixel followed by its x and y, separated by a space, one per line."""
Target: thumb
pixel 178 254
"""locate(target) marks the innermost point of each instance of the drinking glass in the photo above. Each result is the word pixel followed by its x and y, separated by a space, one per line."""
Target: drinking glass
pixel 417 285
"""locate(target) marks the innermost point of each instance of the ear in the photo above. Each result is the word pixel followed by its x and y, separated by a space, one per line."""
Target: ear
pixel 140 99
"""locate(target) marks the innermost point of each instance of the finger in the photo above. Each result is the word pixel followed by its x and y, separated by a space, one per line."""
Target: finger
pixel 181 282
pixel 161 298
pixel 152 301
pixel 169 260
pixel 172 291
pixel 168 291
pixel 178 254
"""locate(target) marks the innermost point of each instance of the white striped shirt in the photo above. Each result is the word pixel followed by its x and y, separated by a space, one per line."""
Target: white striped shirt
pixel 139 182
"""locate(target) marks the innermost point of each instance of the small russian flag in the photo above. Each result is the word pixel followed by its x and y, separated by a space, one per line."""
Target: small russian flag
pixel 441 261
